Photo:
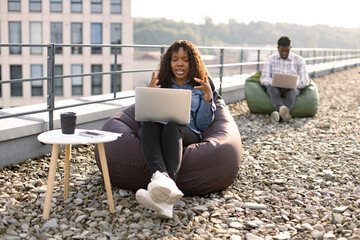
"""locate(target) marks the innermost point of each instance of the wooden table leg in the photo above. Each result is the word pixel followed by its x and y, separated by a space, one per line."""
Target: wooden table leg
pixel 105 173
pixel 67 170
pixel 50 182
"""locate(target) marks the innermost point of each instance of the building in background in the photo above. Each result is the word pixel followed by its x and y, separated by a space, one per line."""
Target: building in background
pixel 65 22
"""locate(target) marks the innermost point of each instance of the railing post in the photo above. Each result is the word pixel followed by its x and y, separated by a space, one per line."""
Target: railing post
pixel 162 51
pixel 258 60
pixel 340 55
pixel 241 60
pixel 333 62
pixel 314 55
pixel 51 83
pixel 314 62
pixel 346 58
pixel 221 69
pixel 115 69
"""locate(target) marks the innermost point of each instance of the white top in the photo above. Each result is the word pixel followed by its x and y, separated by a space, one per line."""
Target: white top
pixel 57 137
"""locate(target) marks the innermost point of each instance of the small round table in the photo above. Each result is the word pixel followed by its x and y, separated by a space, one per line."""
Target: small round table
pixel 56 138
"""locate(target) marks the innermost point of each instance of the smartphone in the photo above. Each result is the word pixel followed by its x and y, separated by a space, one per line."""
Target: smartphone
pixel 91 134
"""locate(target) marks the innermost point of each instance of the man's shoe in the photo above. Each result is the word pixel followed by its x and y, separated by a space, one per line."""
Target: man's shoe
pixel 144 198
pixel 163 189
pixel 285 113
pixel 275 116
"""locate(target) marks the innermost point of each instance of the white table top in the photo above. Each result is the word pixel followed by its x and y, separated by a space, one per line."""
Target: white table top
pixel 57 137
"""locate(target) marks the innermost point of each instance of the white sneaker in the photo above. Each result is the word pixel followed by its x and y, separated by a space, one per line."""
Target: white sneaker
pixel 285 113
pixel 163 189
pixel 275 116
pixel 144 198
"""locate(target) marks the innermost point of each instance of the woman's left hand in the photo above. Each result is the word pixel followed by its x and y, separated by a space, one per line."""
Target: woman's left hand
pixel 205 87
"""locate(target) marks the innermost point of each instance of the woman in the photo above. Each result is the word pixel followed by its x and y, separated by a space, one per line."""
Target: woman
pixel 162 144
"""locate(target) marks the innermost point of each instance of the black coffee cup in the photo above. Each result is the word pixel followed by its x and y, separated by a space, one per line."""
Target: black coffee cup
pixel 68 122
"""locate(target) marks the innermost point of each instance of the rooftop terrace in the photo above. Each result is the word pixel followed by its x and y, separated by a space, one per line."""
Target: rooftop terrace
pixel 19 126
pixel 304 177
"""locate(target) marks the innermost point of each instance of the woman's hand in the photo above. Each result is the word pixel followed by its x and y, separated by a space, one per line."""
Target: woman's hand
pixel 205 87
pixel 154 81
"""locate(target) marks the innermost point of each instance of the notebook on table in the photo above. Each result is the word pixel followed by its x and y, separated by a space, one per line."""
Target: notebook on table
pixel 162 104
pixel 285 81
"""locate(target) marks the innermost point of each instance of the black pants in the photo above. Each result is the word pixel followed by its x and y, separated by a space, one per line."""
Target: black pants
pixel 162 145
pixel 288 94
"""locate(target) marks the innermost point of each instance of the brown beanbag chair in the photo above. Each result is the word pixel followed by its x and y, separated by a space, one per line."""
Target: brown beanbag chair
pixel 209 166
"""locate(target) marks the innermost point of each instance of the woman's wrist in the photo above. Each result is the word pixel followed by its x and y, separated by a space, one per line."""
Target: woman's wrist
pixel 207 98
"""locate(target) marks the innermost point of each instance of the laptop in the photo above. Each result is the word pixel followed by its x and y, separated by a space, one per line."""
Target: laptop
pixel 162 104
pixel 285 81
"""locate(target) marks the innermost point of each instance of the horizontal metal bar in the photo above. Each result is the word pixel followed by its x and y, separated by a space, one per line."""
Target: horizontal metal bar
pixel 22 45
pixel 21 114
pixel 93 102
pixel 108 45
pixel 234 64
pixel 102 73
pixel 4 115
pixel 23 80
pixel 160 46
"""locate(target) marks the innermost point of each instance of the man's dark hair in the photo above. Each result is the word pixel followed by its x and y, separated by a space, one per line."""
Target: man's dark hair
pixel 284 41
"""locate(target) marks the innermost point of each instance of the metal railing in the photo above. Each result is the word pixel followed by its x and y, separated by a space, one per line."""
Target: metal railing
pixel 245 58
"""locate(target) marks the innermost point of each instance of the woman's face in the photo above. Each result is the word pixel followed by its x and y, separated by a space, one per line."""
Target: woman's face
pixel 180 65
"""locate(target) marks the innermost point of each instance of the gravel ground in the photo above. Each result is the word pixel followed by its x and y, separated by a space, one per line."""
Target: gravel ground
pixel 298 180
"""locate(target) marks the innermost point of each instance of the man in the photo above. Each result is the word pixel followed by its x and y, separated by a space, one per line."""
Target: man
pixel 283 62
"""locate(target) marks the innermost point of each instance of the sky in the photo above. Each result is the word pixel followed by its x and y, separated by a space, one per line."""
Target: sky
pixel 336 13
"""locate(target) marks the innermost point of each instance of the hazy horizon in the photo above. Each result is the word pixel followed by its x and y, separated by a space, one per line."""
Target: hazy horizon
pixel 309 12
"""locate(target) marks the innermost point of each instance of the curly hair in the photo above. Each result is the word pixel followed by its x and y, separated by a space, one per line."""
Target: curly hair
pixel 197 65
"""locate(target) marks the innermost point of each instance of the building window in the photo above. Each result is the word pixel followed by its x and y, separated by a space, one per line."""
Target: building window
pixel 76 82
pixel 115 78
pixel 56 6
pixel 115 6
pixel 56 35
pixel 96 6
pixel 14 5
pixel 35 5
pixel 15 36
pixel 35 37
pixel 59 86
pixel 96 37
pixel 115 36
pixel 16 73
pixel 76 6
pixel 96 81
pixel 37 85
pixel 76 37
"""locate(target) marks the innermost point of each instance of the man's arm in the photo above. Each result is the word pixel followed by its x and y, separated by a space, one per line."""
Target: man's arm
pixel 303 75
pixel 265 78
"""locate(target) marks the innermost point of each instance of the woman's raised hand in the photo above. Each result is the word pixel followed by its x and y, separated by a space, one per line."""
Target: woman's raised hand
pixel 205 87
pixel 154 81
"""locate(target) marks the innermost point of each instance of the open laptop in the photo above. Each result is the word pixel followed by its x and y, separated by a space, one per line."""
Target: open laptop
pixel 162 104
pixel 285 81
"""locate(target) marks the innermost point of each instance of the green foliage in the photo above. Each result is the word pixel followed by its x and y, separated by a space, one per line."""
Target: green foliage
pixel 163 31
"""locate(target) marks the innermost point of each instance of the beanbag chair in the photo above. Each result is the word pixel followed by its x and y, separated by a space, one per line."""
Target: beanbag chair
pixel 258 101
pixel 209 166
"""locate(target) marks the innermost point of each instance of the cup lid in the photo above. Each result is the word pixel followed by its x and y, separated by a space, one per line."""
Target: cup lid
pixel 67 114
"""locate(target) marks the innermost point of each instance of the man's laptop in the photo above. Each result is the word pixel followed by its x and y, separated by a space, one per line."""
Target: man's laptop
pixel 162 104
pixel 285 81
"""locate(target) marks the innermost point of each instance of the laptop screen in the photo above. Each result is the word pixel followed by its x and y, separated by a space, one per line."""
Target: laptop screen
pixel 162 104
